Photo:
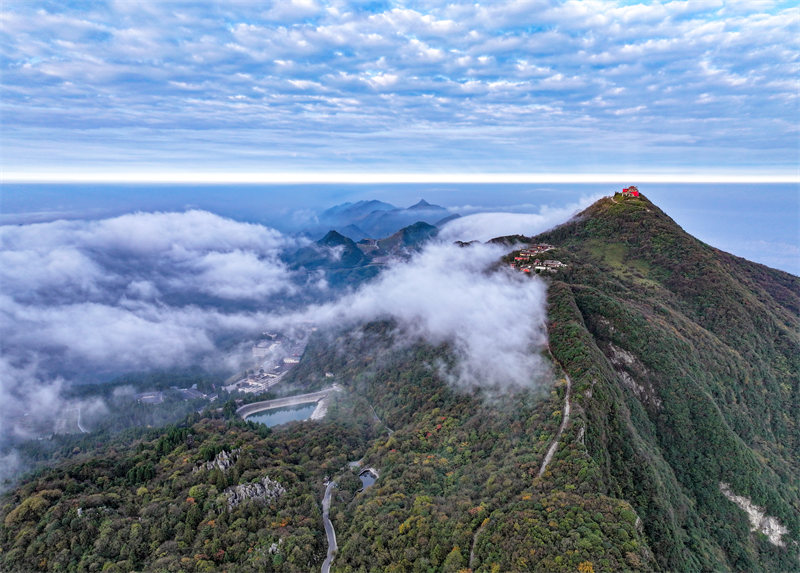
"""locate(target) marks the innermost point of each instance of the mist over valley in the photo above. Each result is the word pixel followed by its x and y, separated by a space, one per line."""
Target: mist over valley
pixel 90 302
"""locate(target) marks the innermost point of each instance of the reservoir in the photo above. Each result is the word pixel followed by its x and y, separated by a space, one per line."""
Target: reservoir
pixel 278 416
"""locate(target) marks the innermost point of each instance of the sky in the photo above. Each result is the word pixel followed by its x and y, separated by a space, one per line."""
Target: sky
pixel 177 89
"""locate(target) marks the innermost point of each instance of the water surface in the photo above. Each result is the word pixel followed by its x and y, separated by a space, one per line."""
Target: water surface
pixel 278 416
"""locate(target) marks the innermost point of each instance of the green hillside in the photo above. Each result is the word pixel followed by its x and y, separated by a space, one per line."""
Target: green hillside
pixel 680 365
pixel 686 363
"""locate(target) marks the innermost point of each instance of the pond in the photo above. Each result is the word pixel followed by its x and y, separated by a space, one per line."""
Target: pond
pixel 278 416
pixel 367 479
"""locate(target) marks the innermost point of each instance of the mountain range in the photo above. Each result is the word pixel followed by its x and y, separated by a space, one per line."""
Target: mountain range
pixel 667 440
pixel 375 219
pixel 347 264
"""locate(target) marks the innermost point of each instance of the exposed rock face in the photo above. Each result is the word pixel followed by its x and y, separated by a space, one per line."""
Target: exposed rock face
pixel 623 360
pixel 263 491
pixel 222 461
pixel 759 520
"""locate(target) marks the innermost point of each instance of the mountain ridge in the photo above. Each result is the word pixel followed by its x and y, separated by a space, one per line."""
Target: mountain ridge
pixel 636 282
pixel 376 219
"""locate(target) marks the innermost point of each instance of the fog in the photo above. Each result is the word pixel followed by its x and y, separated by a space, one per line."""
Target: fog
pixel 493 317
pixel 81 301
pixel 140 290
pixel 485 226
pixel 142 255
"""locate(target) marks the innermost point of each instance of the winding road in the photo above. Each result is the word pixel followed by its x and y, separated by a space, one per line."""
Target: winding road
pixel 564 422
pixel 329 531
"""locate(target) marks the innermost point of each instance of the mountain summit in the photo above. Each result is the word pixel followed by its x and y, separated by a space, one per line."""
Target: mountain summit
pixel 423 204
pixel 686 366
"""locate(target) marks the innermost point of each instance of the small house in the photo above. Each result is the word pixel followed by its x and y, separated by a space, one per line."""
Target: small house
pixel 631 191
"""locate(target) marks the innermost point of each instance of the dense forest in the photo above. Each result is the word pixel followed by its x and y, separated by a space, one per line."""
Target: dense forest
pixel 684 365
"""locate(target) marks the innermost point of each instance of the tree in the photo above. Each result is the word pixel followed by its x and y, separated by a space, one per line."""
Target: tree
pixel 454 561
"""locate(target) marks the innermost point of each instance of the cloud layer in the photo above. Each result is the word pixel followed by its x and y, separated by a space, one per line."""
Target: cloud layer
pixel 82 300
pixel 494 319
pixel 140 290
pixel 516 85
pixel 486 226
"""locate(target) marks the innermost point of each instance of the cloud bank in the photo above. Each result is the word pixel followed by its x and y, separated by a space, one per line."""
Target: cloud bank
pixel 84 300
pixel 493 318
pixel 486 226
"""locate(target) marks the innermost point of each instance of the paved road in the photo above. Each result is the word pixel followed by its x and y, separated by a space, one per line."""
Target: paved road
pixel 329 531
pixel 564 421
pixel 248 409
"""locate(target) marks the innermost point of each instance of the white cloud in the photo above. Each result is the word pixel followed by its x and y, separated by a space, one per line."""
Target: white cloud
pixel 240 275
pixel 61 268
pixel 112 294
pixel 291 10
pixel 485 226
pixel 184 84
pixel 87 300
pixel 210 253
pixel 29 405
pixel 448 294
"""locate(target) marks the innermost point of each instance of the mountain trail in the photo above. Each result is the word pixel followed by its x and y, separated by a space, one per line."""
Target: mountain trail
pixel 330 533
pixel 475 542
pixel 564 421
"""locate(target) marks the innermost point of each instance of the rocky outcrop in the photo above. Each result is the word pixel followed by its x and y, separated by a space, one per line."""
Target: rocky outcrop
pixel 262 491
pixel 759 520
pixel 623 361
pixel 222 461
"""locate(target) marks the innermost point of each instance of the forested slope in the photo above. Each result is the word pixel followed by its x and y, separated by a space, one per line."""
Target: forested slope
pixel 686 364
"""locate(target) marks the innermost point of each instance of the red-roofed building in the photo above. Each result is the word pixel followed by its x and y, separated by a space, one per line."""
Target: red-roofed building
pixel 630 191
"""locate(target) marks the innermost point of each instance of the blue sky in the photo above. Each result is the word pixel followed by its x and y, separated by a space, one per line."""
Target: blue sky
pixel 127 87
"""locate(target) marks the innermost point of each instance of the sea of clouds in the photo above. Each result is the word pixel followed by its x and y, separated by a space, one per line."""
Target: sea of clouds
pixel 492 317
pixel 84 300
pixel 140 290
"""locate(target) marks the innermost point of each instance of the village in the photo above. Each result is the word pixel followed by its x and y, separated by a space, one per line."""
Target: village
pixel 527 260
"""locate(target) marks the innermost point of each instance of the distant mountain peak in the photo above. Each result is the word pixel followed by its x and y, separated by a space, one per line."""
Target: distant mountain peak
pixel 423 204
pixel 334 238
pixel 346 213
pixel 412 236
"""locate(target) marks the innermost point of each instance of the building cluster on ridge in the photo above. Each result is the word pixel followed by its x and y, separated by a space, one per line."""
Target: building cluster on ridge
pixel 527 261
